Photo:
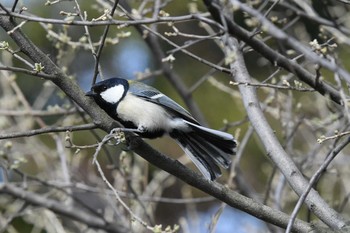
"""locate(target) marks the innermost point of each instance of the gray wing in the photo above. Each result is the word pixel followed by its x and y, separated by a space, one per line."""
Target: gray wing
pixel 153 95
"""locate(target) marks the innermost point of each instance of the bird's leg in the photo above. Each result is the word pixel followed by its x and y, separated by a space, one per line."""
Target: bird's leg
pixel 137 131
pixel 118 135
pixel 118 128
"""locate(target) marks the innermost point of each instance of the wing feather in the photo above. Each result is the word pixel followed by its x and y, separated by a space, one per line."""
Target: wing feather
pixel 151 94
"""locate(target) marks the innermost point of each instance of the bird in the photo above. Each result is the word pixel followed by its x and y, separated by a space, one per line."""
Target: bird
pixel 151 114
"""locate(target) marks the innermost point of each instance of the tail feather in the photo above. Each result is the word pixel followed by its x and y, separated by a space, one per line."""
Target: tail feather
pixel 198 155
pixel 207 148
pixel 225 141
pixel 210 150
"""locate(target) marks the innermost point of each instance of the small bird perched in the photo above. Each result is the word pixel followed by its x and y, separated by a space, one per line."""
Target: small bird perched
pixel 150 114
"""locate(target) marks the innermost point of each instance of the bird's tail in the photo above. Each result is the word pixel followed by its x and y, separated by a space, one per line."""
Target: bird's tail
pixel 207 148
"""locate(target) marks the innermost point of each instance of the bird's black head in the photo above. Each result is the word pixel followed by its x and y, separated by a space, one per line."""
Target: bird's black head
pixel 108 93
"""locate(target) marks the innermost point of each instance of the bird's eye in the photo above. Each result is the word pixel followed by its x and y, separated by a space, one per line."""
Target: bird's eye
pixel 103 88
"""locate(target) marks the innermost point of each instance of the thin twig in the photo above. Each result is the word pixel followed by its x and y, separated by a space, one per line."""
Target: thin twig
pixel 7 12
pixel 286 87
pixel 25 71
pixel 14 6
pixel 102 43
pixel 39 113
pixel 123 23
pixel 335 136
pixel 53 129
pixel 198 58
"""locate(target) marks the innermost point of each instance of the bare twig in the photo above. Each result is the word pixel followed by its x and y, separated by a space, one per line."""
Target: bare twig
pixel 47 130
pixel 40 113
pixel 102 22
pixel 7 12
pixel 286 87
pixel 30 72
pixel 313 17
pixel 336 136
pixel 14 5
pixel 102 43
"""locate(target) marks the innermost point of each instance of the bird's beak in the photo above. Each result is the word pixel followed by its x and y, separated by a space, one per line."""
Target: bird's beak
pixel 90 93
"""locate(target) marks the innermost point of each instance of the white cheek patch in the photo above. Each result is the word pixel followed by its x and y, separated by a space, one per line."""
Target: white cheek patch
pixel 113 94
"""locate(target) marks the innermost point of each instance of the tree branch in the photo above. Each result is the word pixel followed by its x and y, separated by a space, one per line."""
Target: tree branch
pixel 98 23
pixel 101 45
pixel 25 71
pixel 47 130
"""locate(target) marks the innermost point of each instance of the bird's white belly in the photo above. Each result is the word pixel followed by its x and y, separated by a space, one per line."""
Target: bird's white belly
pixel 147 115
